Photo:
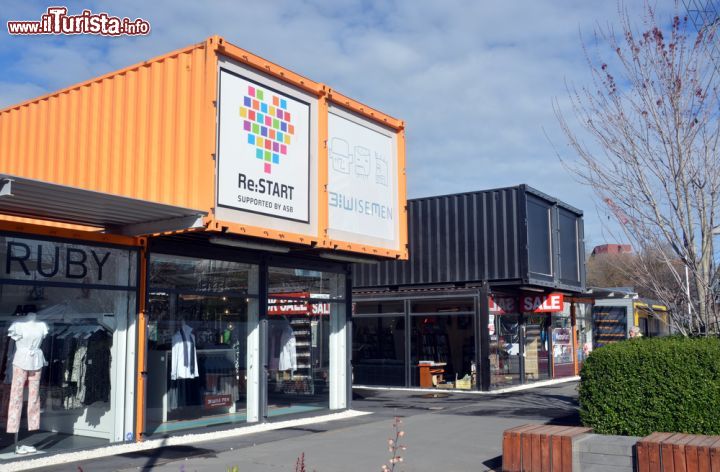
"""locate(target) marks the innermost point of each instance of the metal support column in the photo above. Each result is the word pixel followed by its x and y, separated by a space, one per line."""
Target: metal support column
pixel 484 365
pixel 263 335
pixel 254 355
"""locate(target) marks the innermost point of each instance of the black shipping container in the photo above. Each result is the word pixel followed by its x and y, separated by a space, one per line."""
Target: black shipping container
pixel 514 236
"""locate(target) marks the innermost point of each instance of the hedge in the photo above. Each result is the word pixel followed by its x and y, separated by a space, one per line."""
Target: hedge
pixel 644 385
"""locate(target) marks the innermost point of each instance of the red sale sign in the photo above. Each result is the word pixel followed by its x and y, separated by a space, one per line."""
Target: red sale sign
pixel 542 303
pixel 500 305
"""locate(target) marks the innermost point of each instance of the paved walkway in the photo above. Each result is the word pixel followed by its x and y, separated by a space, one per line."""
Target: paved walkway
pixel 448 432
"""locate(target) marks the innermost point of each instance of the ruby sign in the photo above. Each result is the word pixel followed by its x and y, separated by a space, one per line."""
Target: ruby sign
pixel 542 303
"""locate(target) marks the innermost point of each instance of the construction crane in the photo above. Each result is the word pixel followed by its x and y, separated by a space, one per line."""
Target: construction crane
pixel 621 216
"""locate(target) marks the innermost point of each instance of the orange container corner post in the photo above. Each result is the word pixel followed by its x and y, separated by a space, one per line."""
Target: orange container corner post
pixel 402 193
pixel 141 370
pixel 323 210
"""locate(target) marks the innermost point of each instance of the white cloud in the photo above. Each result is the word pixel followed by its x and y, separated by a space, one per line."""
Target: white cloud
pixel 16 92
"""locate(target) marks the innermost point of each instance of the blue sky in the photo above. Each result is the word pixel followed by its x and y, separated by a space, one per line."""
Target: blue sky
pixel 474 80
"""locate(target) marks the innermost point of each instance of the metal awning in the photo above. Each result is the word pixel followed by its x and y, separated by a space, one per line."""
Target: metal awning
pixel 30 198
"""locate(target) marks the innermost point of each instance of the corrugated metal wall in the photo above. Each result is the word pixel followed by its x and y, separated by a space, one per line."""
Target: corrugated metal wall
pixel 456 238
pixel 141 132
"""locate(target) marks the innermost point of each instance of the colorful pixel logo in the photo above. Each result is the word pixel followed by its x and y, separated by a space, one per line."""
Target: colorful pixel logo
pixel 267 123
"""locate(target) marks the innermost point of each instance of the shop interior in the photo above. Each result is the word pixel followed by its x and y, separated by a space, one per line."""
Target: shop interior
pixel 379 349
pixel 67 338
pixel 300 304
pixel 196 354
pixel 198 313
pixel 440 343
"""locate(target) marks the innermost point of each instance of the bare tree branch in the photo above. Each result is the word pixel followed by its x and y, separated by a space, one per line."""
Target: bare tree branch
pixel 651 113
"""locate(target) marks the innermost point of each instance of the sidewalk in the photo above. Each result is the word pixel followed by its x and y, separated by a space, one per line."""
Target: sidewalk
pixel 448 432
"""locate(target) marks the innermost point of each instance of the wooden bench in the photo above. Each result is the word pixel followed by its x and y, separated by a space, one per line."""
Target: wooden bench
pixel 540 448
pixel 677 452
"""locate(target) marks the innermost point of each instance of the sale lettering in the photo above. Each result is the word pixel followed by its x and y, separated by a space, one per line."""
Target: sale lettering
pixel 297 304
pixel 501 305
pixel 543 303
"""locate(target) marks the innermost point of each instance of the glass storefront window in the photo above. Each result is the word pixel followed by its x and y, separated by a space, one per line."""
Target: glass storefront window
pixel 298 349
pixel 611 324
pixel 504 349
pixel 451 305
pixel 299 360
pixel 537 359
pixel 562 346
pixel 73 306
pixel 583 315
pixel 372 308
pixel 379 351
pixel 300 283
pixel 443 351
pixel 197 341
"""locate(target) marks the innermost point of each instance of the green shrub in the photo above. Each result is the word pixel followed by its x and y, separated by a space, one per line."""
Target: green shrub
pixel 644 385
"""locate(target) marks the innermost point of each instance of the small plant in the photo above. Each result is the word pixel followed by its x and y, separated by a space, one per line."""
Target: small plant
pixel 394 447
pixel 300 464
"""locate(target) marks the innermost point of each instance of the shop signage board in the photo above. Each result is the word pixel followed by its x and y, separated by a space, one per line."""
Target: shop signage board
pixel 550 303
pixel 299 162
pixel 562 346
pixel 48 261
pixel 542 303
pixel 263 149
pixel 502 305
pixel 363 198
pixel 211 401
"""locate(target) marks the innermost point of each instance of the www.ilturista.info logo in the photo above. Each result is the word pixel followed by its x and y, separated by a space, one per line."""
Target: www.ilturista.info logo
pixel 268 125
pixel 57 21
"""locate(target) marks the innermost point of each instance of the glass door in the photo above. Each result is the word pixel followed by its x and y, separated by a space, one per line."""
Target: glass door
pixel 196 354
pixel 199 311
pixel 301 305
pixel 537 364
pixel 504 349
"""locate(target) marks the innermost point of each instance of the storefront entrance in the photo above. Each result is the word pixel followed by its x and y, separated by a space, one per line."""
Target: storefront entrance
pixel 233 338
pixel 440 339
pixel 197 341
pixel 505 354
pixel 301 303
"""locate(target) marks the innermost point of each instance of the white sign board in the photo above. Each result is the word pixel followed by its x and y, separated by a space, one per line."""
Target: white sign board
pixel 263 149
pixel 362 181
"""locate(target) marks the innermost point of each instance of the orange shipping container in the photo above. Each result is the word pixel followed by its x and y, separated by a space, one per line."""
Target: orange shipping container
pixel 140 132
pixel 149 132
